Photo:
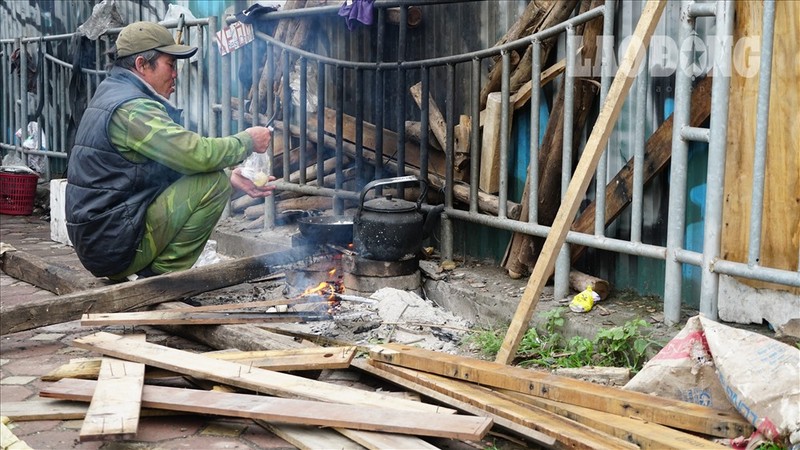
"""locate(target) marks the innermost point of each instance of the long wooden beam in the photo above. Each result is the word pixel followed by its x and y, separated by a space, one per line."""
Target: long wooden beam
pixel 193 318
pixel 665 411
pixel 568 433
pixel 240 375
pixel 373 369
pixel 657 153
pixel 282 410
pixel 647 435
pixel 140 293
pixel 595 146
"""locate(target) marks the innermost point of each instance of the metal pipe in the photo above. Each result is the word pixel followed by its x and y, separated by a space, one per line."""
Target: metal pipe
pixel 677 189
pixel 424 148
pixel 762 131
pixel 505 126
pixel 601 173
pixel 698 134
pixel 715 179
pixel 533 158
pixel 359 94
pixel 561 274
pixel 447 223
pixel 702 9
pixel 338 206
pixel 599 242
pixel 475 144
pixel 303 156
pixel 638 154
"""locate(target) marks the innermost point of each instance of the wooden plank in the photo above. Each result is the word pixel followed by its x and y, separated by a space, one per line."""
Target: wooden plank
pixel 567 432
pixel 191 318
pixel 665 411
pixel 311 358
pixel 780 215
pixel 307 438
pixel 379 441
pixel 50 409
pixel 529 433
pixel 489 181
pixel 657 153
pixel 240 375
pixel 43 410
pixel 647 435
pixel 116 399
pixel 292 411
pixel 9 441
pixel 595 146
pixel 141 293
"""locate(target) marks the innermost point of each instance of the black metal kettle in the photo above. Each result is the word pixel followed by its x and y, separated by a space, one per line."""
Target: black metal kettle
pixel 387 228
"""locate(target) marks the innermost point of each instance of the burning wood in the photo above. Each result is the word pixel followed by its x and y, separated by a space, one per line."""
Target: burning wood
pixel 333 292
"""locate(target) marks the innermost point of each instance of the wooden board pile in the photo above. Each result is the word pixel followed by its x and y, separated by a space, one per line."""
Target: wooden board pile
pixel 541 408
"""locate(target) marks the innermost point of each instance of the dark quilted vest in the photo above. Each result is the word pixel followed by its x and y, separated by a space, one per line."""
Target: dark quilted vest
pixel 107 196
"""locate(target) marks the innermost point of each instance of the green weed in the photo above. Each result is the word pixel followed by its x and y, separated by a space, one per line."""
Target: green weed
pixel 621 346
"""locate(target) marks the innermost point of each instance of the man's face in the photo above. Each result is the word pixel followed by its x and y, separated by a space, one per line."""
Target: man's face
pixel 161 76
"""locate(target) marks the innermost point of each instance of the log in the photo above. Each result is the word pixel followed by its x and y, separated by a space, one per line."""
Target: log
pixel 523 248
pixel 579 281
pixel 140 293
pixel 537 16
pixel 435 119
pixel 595 145
pixel 414 134
pixel 307 203
pixel 38 272
pixel 413 16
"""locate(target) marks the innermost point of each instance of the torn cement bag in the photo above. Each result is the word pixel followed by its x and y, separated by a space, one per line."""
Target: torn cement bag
pixel 731 370
pixel 761 377
pixel 684 370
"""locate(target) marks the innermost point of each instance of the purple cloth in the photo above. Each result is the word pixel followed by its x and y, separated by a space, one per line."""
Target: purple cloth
pixel 358 11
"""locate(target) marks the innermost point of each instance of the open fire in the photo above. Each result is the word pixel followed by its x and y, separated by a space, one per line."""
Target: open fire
pixel 333 292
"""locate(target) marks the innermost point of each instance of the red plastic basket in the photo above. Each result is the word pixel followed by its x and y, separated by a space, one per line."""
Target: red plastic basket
pixel 17 192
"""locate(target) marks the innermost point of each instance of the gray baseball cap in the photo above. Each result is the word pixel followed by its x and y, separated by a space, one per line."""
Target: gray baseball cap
pixel 142 36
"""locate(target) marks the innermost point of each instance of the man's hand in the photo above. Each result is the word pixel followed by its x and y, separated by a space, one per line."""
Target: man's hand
pixel 261 138
pixel 242 183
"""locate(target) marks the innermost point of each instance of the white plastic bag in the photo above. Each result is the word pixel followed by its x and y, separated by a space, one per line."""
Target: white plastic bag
pixel 32 142
pixel 256 169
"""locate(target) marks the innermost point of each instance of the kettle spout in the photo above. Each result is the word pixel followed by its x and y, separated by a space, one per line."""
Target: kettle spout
pixel 431 219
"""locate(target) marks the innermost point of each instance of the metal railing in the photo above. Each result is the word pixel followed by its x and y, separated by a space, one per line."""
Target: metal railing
pixel 368 139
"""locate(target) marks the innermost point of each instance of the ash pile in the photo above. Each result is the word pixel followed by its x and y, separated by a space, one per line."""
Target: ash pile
pixel 392 315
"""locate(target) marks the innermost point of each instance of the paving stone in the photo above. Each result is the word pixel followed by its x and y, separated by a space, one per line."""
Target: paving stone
pixel 158 429
pixel 19 380
pixel 15 393
pixel 57 440
pixel 264 439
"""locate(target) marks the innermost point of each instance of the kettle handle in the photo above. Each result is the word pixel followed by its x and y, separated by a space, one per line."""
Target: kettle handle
pixel 396 180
